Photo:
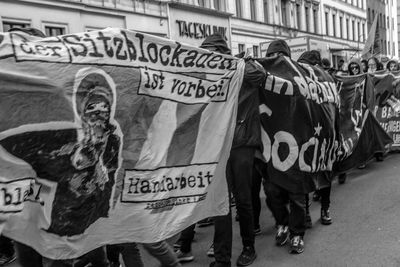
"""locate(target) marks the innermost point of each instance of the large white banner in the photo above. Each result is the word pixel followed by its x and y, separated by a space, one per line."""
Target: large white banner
pixel 111 136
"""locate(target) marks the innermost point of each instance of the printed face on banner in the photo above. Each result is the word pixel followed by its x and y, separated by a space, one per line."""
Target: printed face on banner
pixel 81 160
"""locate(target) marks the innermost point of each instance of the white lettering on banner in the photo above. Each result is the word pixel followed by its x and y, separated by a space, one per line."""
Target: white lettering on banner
pixel 183 88
pixel 142 186
pixel 323 149
pixel 117 47
pixel 284 137
pixel 13 194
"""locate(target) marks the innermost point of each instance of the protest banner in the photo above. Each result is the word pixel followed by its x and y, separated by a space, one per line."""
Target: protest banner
pixel 387 108
pixel 361 136
pixel 111 136
pixel 314 126
pixel 299 115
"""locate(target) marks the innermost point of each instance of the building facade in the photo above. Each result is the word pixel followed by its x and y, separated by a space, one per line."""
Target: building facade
pixel 337 28
pixel 386 13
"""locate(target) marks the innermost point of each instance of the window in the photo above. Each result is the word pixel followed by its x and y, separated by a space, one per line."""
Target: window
pixel 326 23
pixel 255 50
pixel 202 3
pixel 266 15
pixel 241 48
pixel 388 22
pixel 316 24
pixel 253 9
pixel 307 19
pixel 388 47
pixel 348 29
pixel 341 27
pixel 334 24
pixel 238 8
pixel 217 4
pixel 362 4
pixel 363 32
pixel 358 31
pixel 298 16
pixel 284 12
pixel 369 14
pixel 54 30
pixel 353 29
pixel 7 25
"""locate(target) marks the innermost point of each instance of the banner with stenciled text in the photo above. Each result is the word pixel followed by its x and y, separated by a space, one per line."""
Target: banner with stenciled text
pixel 360 134
pixel 387 108
pixel 111 136
pixel 299 116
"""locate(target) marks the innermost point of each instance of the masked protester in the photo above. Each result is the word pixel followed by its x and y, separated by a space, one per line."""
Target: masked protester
pixel 290 223
pixel 313 58
pixel 239 168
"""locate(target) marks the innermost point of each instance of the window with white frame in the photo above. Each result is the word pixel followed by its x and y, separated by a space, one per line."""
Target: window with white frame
pixel 55 29
pixel 9 24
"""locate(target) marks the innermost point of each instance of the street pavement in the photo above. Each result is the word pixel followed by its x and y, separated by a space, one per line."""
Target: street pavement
pixel 365 229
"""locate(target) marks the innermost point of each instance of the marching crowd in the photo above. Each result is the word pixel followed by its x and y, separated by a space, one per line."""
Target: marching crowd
pixel 245 172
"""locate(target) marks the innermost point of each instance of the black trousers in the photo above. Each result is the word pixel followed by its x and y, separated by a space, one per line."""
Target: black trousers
pixel 239 177
pixel 278 199
pixel 186 238
pixel 6 246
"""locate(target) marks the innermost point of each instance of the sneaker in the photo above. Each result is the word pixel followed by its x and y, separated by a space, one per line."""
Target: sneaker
pixel 210 251
pixel 342 178
pixel 247 256
pixel 296 245
pixel 257 231
pixel 177 245
pixel 325 218
pixel 282 235
pixel 184 256
pixel 205 222
pixel 316 196
pixel 362 166
pixel 4 259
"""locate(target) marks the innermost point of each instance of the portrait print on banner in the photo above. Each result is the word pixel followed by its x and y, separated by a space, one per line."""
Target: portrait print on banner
pixel 81 160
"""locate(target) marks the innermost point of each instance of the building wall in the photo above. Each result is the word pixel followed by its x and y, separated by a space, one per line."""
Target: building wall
pixel 387 12
pixel 250 23
pixel 77 16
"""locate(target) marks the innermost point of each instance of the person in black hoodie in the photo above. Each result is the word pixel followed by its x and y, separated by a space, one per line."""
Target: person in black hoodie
pixel 247 139
pixel 313 58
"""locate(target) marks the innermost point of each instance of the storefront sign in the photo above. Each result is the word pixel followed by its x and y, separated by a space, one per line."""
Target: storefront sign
pixel 199 30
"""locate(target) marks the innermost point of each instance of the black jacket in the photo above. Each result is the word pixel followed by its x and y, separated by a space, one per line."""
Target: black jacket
pixel 248 127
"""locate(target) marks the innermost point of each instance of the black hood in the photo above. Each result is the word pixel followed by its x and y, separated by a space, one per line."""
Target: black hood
pixel 278 46
pixel 218 41
pixel 312 57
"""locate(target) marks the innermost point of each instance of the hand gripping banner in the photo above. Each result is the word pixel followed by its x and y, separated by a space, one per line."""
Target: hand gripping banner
pixel 111 136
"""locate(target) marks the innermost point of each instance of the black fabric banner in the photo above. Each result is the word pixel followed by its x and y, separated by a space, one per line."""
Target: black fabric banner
pixel 299 115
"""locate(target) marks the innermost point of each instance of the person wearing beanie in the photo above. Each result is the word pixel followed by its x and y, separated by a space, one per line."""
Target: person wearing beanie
pixel 313 58
pixel 278 47
pixel 246 141
pixel 216 42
